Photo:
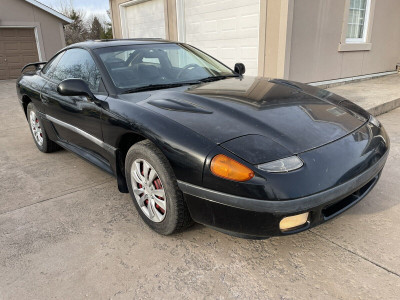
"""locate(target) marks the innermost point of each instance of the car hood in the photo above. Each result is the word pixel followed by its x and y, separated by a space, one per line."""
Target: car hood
pixel 275 110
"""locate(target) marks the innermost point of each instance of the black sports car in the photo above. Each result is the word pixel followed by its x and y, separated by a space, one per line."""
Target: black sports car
pixel 192 140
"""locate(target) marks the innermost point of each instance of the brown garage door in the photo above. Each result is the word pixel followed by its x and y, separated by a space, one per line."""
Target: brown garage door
pixel 17 48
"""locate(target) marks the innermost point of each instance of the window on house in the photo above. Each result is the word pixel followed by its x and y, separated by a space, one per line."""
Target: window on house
pixel 357 25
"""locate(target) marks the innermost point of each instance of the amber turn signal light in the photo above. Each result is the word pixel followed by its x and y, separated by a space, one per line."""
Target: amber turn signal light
pixel 228 168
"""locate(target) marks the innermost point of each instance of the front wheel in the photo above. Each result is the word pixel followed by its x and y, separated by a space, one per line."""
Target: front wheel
pixel 154 189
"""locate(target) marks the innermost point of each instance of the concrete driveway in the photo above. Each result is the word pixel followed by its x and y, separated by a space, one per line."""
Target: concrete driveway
pixel 67 233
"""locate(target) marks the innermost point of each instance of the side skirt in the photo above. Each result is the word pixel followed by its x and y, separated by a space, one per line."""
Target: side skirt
pixel 90 157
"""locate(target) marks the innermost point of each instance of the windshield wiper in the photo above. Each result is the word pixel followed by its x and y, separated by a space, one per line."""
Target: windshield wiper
pixel 215 78
pixel 175 84
pixel 158 86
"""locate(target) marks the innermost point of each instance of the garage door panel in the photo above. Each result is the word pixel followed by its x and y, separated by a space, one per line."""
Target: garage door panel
pixel 20 59
pixel 230 21
pixel 228 53
pixel 237 36
pixel 13 59
pixel 3 73
pixel 28 46
pixel 17 48
pixel 11 46
pixel 146 20
pixel 207 6
pixel 25 33
pixel 27 59
pixel 228 24
pixel 228 30
pixel 8 32
pixel 15 73
pixel 249 22
pixel 231 53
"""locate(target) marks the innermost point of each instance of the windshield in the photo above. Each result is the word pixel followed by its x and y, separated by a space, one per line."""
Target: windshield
pixel 136 66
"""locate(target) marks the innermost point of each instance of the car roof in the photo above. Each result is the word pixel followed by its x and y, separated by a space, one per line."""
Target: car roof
pixel 119 42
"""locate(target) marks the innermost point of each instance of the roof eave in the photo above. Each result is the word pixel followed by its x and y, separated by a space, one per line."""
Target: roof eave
pixel 50 11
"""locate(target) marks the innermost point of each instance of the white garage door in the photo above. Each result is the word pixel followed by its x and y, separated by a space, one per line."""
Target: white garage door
pixel 226 29
pixel 144 20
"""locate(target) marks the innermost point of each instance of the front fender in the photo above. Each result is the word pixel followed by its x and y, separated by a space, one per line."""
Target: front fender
pixel 185 149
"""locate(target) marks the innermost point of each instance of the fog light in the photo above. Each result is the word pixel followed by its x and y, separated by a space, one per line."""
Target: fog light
pixel 292 222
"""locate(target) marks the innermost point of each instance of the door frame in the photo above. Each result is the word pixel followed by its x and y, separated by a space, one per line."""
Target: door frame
pixel 36 31
pixel 181 20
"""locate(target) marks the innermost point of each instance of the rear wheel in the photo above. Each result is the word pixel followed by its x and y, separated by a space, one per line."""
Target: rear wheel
pixel 154 189
pixel 43 143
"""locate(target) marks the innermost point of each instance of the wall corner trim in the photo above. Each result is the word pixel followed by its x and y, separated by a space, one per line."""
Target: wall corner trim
pixel 278 40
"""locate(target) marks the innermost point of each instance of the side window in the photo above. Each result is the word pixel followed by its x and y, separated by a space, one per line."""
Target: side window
pixel 51 64
pixel 78 63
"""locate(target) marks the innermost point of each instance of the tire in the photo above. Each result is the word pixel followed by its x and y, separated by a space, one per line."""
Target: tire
pixel 176 216
pixel 42 142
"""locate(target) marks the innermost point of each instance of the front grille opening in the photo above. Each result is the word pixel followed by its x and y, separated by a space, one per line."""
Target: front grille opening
pixel 338 207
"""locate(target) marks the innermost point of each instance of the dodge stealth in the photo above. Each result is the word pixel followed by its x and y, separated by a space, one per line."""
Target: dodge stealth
pixel 192 140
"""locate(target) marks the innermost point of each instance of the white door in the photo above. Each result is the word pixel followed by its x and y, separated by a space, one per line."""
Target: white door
pixel 226 29
pixel 143 19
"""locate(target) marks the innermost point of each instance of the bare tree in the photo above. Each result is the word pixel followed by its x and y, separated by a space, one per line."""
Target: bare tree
pixel 82 27
pixel 76 31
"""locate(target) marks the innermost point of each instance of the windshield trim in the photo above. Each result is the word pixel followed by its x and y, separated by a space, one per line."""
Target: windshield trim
pixel 120 90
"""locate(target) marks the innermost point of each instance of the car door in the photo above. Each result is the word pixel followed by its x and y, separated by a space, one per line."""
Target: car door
pixel 75 119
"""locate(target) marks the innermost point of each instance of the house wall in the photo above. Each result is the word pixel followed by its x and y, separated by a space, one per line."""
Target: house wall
pixel 317 32
pixel 303 40
pixel 49 29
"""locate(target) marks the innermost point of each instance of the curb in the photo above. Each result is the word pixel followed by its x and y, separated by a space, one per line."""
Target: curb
pixel 384 107
pixel 349 80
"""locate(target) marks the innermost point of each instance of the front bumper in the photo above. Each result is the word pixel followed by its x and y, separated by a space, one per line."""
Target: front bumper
pixel 254 218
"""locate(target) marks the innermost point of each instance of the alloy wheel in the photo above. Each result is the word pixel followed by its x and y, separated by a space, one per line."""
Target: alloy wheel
pixel 148 190
pixel 36 129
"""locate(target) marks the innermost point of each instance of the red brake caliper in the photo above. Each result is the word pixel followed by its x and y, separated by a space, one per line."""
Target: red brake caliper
pixel 37 121
pixel 157 184
pixel 140 186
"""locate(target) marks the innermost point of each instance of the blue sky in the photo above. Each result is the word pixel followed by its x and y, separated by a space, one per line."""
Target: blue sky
pixel 97 7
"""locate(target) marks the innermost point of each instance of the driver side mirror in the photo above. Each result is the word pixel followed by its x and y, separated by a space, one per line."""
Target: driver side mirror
pixel 240 68
pixel 75 87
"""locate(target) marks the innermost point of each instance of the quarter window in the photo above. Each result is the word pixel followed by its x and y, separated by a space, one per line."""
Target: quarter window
pixel 51 64
pixel 357 25
pixel 78 63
